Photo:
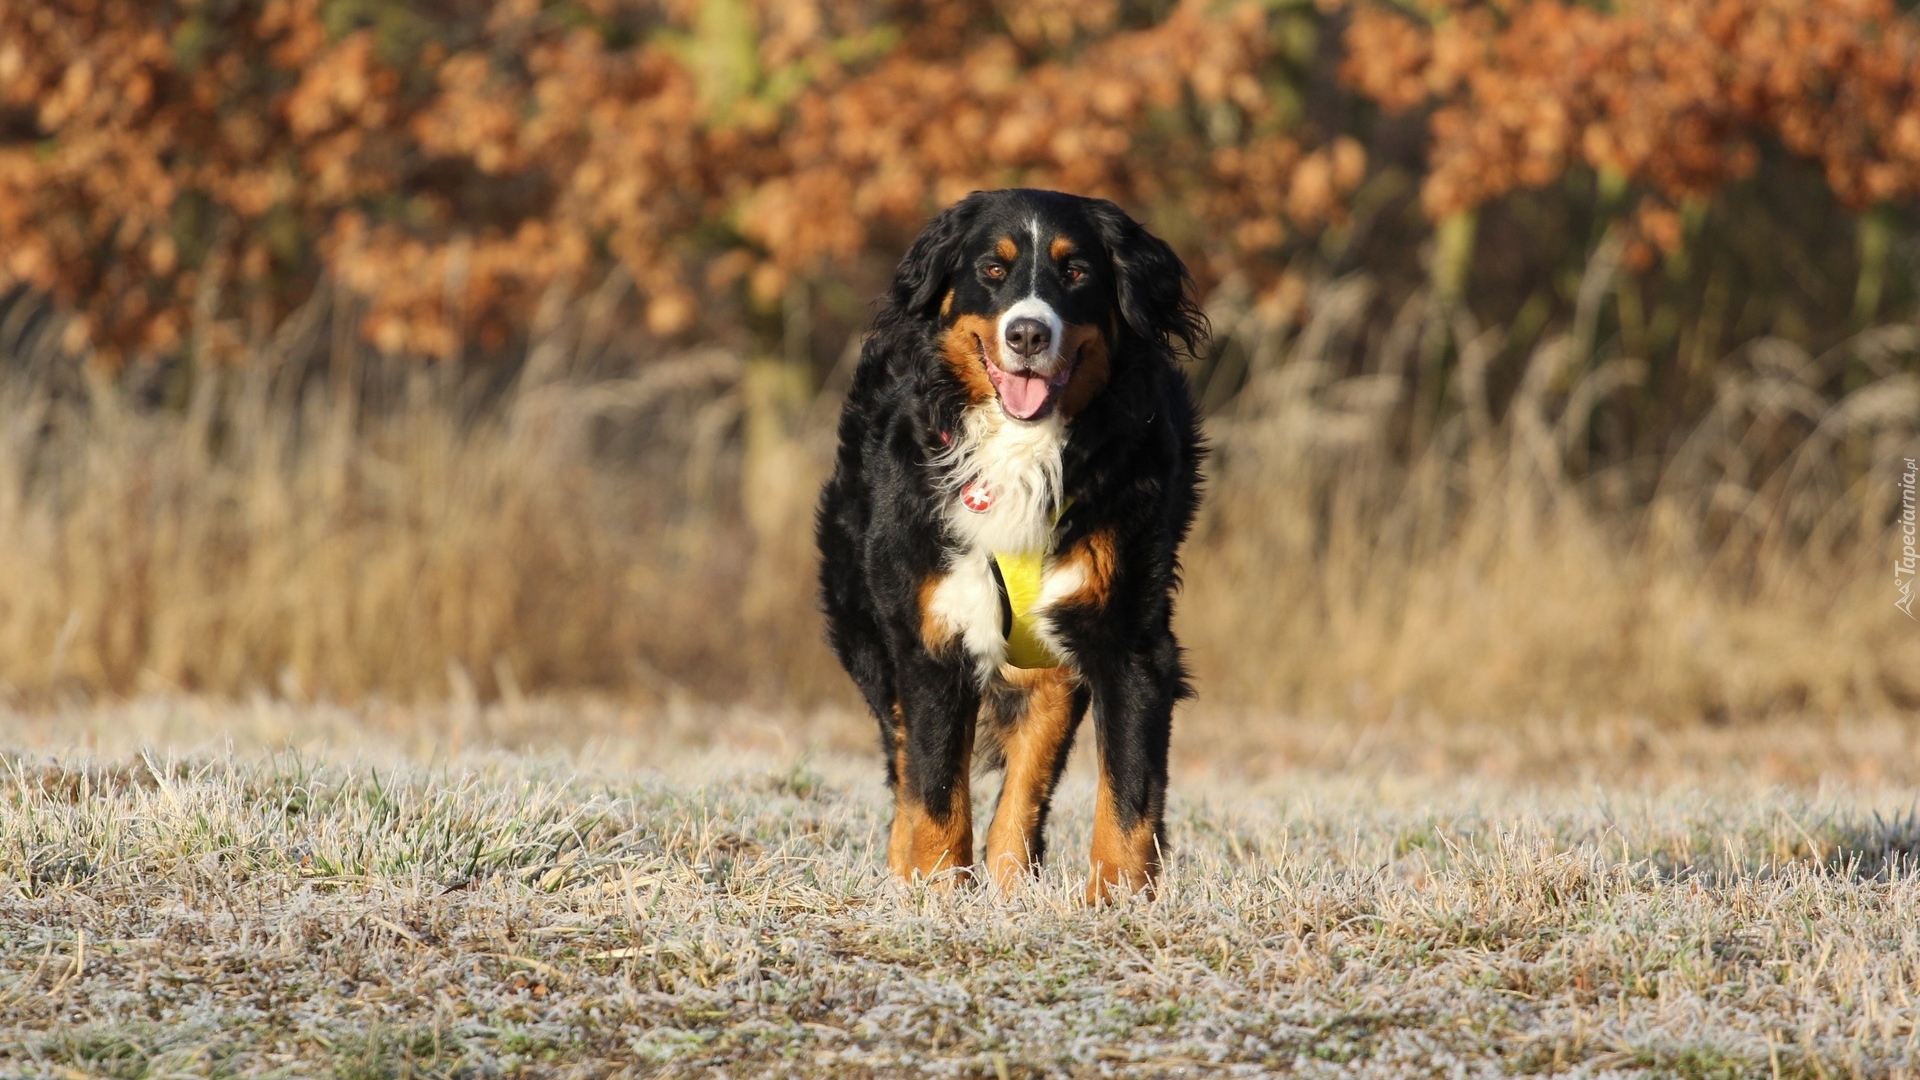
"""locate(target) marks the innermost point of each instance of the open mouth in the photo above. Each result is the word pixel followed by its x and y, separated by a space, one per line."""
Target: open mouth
pixel 1025 395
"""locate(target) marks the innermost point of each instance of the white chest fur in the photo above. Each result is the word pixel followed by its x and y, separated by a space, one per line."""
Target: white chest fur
pixel 1019 463
pixel 965 605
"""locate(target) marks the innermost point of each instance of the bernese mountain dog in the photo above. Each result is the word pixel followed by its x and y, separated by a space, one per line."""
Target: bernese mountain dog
pixel 1018 464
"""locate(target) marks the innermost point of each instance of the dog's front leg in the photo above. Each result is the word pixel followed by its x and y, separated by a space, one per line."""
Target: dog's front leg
pixel 939 703
pixel 1133 696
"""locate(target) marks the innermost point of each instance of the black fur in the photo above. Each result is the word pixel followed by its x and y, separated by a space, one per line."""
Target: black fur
pixel 1131 465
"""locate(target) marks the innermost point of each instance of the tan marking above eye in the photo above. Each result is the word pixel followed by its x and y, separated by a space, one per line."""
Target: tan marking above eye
pixel 1006 248
pixel 1060 248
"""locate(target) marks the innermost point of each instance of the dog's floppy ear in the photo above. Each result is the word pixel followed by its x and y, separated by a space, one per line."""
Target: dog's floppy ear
pixel 934 257
pixel 1155 289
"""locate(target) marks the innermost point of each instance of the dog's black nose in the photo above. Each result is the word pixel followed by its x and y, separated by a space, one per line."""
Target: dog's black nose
pixel 1028 336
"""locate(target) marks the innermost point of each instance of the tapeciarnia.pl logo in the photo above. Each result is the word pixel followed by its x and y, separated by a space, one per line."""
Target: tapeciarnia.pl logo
pixel 1904 566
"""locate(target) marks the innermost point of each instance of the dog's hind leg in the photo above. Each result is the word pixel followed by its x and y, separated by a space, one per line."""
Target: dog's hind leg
pixel 1034 745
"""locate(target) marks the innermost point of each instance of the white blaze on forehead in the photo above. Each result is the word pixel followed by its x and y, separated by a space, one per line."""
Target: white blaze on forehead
pixel 1032 307
pixel 1033 278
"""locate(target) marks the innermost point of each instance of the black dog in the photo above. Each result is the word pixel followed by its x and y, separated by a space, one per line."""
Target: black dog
pixel 1018 465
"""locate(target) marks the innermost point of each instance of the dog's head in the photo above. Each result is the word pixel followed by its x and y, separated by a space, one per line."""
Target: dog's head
pixel 1035 292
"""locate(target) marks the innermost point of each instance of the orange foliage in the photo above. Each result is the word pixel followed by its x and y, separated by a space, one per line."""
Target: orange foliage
pixel 447 168
pixel 1675 93
pixel 449 163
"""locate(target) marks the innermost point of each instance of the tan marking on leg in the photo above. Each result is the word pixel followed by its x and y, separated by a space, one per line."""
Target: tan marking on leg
pixel 1006 248
pixel 1060 248
pixel 918 844
pixel 935 631
pixel 962 347
pixel 1089 348
pixel 899 744
pixel 1096 555
pixel 1032 749
pixel 900 840
pixel 1124 860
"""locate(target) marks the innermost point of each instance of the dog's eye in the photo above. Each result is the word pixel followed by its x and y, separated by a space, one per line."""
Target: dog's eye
pixel 1074 273
pixel 996 271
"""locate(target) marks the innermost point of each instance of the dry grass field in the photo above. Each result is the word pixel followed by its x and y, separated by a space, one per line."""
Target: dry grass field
pixel 552 888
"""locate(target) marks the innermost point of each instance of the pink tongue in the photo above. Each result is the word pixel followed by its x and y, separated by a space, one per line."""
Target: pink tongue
pixel 1023 395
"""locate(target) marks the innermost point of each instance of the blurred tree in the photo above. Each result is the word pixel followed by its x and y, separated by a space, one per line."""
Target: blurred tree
pixel 199 165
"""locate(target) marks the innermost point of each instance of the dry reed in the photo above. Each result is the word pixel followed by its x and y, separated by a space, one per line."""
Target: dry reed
pixel 1383 535
pixel 1490 568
